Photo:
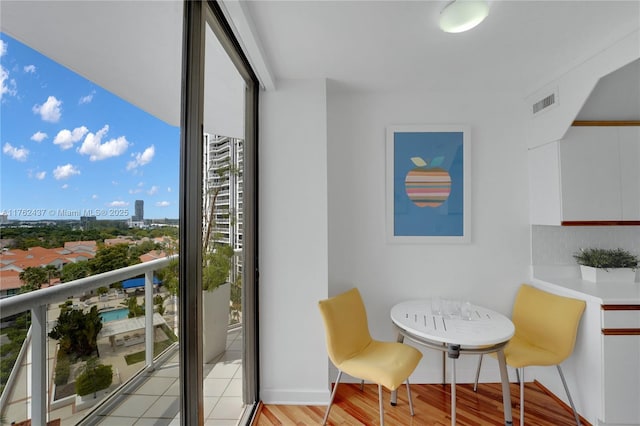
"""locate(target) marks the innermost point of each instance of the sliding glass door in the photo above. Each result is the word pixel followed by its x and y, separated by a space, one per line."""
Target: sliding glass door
pixel 218 240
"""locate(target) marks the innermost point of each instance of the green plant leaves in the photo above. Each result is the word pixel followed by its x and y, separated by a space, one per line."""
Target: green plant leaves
pixel 606 258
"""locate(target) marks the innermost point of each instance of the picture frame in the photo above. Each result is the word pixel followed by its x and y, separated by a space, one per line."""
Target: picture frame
pixel 428 189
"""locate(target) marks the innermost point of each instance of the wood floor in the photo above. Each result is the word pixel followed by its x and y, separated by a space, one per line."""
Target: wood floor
pixel 431 405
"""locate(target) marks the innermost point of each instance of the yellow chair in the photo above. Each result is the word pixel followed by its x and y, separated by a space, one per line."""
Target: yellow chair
pixel 546 328
pixel 353 351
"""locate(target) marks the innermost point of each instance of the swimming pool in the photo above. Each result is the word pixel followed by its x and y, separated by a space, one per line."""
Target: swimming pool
pixel 115 314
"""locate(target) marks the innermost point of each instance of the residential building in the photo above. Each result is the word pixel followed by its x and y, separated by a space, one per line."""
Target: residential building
pixel 35 257
pixel 9 283
pixel 81 246
pixel 222 194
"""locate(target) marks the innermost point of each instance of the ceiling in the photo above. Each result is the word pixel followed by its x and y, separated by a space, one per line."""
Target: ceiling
pixel 133 48
pixel 397 45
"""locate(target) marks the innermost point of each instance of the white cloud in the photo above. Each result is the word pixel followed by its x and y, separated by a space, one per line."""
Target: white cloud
pixel 39 136
pixel 153 190
pixel 169 189
pixel 118 204
pixel 142 158
pixel 87 99
pixel 163 204
pixel 41 175
pixel 50 110
pixel 19 154
pixel 66 138
pixel 94 197
pixel 30 69
pixel 96 150
pixel 7 86
pixel 65 172
pixel 65 186
pixel 134 191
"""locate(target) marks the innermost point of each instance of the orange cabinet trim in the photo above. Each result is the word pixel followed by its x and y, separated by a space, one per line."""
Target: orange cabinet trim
pixel 606 123
pixel 600 223
pixel 621 331
pixel 621 307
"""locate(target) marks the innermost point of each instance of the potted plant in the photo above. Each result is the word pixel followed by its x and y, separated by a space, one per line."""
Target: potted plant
pixel 215 300
pixel 607 265
pixel 217 261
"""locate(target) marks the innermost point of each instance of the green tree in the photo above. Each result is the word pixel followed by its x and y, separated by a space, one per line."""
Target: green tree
pixel 217 265
pixel 144 247
pixel 110 258
pixel 75 271
pixel 135 310
pixel 52 272
pixel 158 301
pixel 216 257
pixel 10 350
pixel 169 277
pixel 94 377
pixel 33 278
pixel 77 332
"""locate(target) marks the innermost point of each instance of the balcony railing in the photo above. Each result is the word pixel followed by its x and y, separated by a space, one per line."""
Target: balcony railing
pixel 38 303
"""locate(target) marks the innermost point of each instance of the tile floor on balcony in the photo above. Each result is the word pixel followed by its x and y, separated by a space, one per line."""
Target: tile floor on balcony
pixel 156 401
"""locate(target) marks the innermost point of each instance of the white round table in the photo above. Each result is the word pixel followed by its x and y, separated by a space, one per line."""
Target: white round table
pixel 482 331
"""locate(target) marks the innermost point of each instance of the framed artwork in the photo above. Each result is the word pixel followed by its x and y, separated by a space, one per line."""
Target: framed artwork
pixel 428 189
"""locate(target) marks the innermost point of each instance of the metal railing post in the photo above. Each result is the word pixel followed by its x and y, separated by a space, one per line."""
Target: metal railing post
pixel 39 365
pixel 148 318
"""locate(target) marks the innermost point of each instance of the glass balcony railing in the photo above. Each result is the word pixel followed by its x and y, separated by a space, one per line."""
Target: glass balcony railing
pixel 105 337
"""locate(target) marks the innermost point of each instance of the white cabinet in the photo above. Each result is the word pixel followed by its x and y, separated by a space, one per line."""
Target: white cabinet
pixel 590 175
pixel 621 367
pixel 630 171
pixel 603 373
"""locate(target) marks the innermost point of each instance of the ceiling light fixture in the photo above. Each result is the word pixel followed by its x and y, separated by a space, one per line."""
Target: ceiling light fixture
pixel 462 15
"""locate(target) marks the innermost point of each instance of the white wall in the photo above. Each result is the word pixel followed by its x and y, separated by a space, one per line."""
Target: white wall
pixel 293 242
pixel 487 271
pixel 322 222
pixel 313 153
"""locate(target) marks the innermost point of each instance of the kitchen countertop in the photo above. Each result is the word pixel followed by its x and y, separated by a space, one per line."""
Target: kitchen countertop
pixel 568 278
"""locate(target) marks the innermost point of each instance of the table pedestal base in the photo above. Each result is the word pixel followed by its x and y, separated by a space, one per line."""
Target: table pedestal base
pixel 453 352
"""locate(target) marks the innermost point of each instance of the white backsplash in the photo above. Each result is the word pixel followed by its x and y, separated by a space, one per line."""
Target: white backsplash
pixel 555 245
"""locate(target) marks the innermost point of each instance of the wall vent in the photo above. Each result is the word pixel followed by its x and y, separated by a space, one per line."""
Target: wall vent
pixel 545 103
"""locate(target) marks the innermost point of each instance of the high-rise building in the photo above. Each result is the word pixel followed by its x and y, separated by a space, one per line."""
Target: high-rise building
pixel 139 214
pixel 222 192
pixel 87 221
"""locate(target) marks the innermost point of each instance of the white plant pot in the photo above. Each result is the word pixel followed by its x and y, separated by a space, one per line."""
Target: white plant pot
pixel 215 321
pixel 623 275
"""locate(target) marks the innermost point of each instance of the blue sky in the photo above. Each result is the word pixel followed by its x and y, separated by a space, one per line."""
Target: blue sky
pixel 67 144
